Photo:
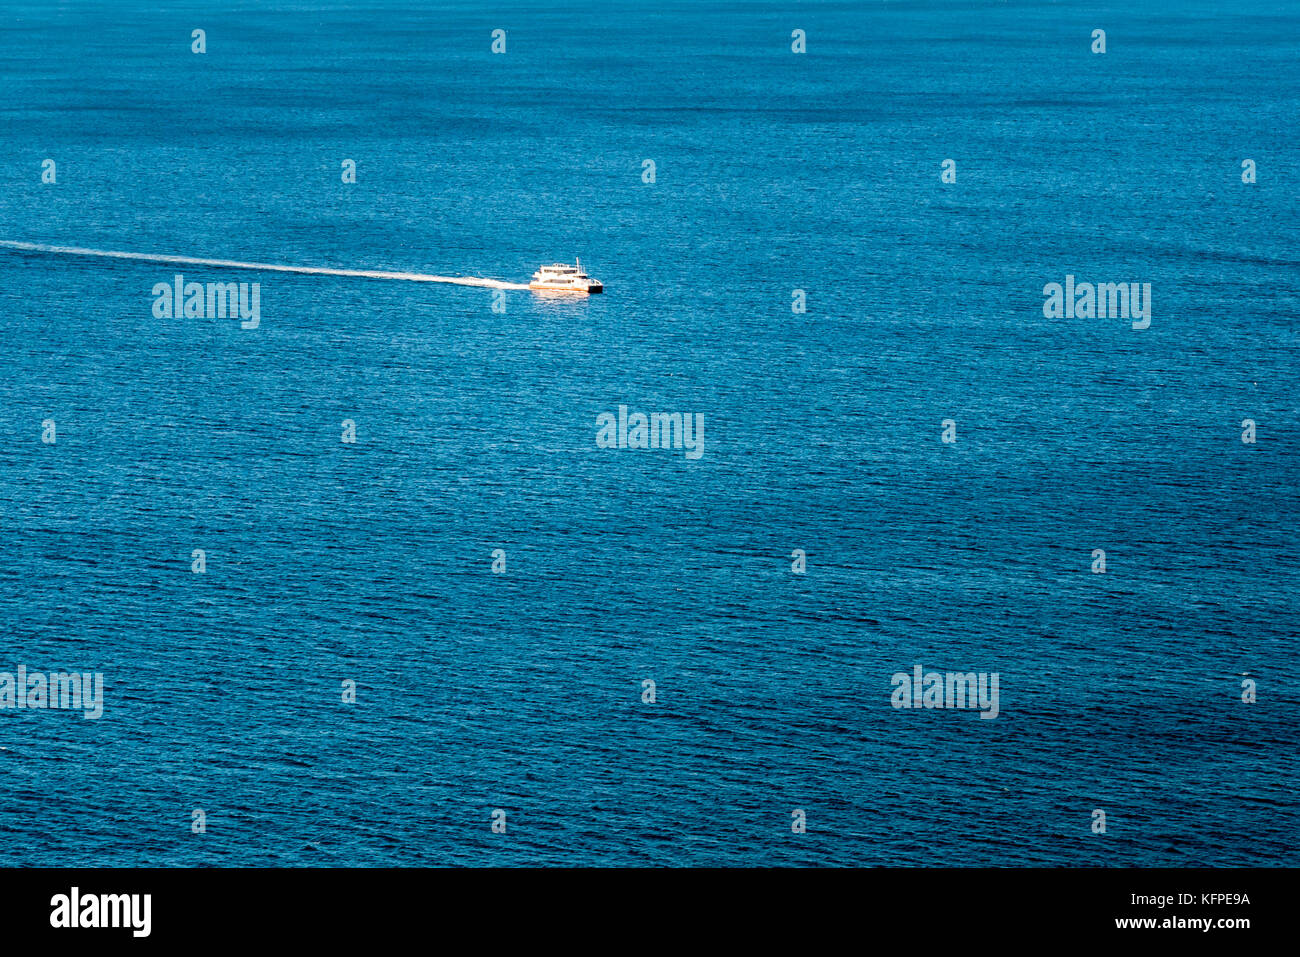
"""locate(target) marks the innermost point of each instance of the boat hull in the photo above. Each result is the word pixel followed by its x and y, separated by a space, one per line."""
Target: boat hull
pixel 588 289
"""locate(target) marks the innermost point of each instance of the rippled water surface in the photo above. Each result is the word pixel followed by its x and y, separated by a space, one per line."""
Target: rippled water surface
pixel 774 171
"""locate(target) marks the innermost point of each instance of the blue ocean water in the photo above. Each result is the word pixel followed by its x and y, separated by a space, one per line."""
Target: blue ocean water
pixel 774 171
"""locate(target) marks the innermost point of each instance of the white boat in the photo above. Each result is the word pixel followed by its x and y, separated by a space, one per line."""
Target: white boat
pixel 560 277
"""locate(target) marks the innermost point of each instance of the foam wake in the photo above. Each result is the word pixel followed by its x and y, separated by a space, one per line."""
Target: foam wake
pixel 264 267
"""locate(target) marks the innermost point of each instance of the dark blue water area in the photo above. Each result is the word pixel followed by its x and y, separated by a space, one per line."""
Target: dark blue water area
pixel 476 430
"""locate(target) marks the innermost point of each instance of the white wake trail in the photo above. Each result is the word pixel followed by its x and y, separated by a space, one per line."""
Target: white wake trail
pixel 265 267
